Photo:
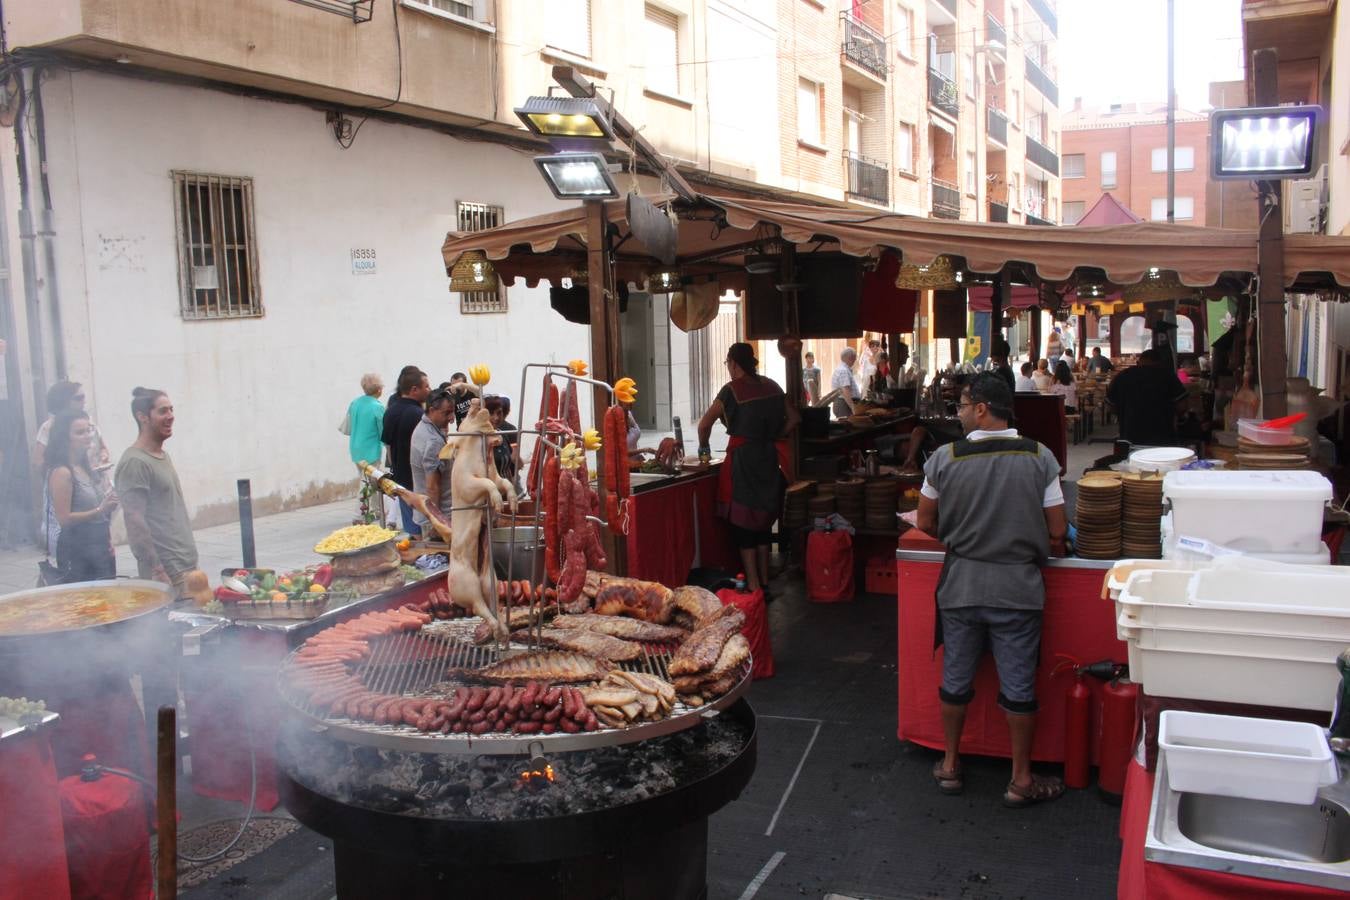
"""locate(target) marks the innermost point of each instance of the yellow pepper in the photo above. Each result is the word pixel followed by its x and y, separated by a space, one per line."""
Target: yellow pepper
pixel 577 367
pixel 480 374
pixel 625 389
pixel 591 439
pixel 572 456
pixel 317 588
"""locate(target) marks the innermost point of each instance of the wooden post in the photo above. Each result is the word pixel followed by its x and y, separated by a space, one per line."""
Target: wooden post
pixel 166 802
pixel 1272 362
pixel 998 300
pixel 605 349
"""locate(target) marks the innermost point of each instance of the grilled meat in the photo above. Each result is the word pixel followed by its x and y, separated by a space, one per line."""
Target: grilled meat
pixel 734 652
pixel 699 603
pixel 649 601
pixel 702 649
pixel 594 643
pixel 539 665
pixel 518 618
pixel 619 627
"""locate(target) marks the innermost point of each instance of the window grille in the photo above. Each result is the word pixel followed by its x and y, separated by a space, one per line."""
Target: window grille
pixel 480 217
pixel 217 249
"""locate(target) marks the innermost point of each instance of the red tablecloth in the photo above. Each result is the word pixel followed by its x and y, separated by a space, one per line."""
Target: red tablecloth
pixel 32 840
pixel 661 531
pixel 1143 880
pixel 1077 621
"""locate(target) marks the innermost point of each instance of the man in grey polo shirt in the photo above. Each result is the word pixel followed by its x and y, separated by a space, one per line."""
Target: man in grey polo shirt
pixel 994 500
pixel 430 473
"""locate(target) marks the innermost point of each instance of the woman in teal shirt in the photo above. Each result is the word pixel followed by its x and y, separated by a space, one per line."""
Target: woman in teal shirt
pixel 366 418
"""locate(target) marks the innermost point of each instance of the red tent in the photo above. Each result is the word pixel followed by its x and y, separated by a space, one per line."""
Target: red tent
pixel 1107 211
pixel 979 296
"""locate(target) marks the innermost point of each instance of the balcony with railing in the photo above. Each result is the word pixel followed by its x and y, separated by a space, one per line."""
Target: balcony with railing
pixel 942 93
pixel 998 212
pixel 1046 13
pixel 946 200
pixel 996 125
pixel 1042 81
pixel 994 31
pixel 1041 155
pixel 868 179
pixel 1037 220
pixel 949 6
pixel 864 46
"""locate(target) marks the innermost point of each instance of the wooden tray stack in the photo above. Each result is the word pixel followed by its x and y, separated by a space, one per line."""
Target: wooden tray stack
pixel 821 503
pixel 1097 516
pixel 1293 455
pixel 1141 536
pixel 848 499
pixel 879 503
pixel 796 513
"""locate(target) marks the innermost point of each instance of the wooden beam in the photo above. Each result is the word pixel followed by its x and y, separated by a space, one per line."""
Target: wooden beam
pixel 1272 361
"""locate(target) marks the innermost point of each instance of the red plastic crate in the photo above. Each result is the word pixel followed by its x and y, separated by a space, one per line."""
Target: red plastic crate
pixel 879 575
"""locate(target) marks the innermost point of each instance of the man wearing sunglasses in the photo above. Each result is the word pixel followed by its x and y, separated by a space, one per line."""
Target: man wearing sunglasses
pixel 430 473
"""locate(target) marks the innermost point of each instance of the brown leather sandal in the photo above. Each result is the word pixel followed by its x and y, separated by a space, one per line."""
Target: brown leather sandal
pixel 948 782
pixel 1041 790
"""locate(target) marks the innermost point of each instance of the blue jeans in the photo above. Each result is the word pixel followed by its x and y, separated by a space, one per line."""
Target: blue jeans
pixel 406 512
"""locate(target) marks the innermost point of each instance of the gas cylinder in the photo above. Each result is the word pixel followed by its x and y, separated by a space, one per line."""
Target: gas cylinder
pixel 1077 732
pixel 1119 698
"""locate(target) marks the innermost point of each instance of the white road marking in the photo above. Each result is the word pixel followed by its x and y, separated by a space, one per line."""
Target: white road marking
pixel 757 882
pixel 791 718
pixel 793 783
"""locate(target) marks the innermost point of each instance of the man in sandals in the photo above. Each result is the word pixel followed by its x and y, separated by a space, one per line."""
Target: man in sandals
pixel 994 500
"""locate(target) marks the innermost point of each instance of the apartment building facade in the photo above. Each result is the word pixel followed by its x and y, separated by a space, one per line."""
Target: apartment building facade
pixel 242 203
pixel 1122 150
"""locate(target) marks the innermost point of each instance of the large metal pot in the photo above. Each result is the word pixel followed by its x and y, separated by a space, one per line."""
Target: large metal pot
pixel 526 558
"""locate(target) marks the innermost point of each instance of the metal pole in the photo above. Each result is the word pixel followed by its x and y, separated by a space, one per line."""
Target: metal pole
pixel 250 550
pixel 1171 115
pixel 1272 361
pixel 166 802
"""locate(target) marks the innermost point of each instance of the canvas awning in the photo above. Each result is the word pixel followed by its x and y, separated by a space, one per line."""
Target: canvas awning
pixel 716 233
pixel 979 297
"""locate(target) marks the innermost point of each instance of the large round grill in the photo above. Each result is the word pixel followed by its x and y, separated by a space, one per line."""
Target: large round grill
pixel 415 664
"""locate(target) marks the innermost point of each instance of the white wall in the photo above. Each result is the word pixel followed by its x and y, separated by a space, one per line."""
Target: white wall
pixel 261 398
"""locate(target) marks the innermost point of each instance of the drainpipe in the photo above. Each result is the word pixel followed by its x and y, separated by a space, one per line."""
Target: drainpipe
pixel 28 259
pixel 47 229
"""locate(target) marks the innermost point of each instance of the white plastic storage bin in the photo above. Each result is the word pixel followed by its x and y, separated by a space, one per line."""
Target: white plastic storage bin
pixel 1120 573
pixel 1251 430
pixel 1234 756
pixel 1249 511
pixel 1232 584
pixel 1158 600
pixel 1235 678
pixel 1308 648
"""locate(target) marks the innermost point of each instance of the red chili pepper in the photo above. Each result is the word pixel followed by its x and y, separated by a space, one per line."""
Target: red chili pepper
pixel 225 595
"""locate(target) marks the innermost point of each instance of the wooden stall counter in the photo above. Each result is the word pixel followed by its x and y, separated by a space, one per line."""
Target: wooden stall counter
pixel 1077 622
pixel 668 517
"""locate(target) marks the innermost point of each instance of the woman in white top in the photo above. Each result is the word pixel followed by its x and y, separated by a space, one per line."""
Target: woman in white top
pixel 1063 386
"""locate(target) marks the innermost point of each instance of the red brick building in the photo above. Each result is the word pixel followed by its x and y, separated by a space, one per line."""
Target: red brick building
pixel 1122 150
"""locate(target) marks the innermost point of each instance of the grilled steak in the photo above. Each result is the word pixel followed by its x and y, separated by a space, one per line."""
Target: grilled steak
pixel 649 601
pixel 619 627
pixel 591 642
pixel 699 603
pixel 539 665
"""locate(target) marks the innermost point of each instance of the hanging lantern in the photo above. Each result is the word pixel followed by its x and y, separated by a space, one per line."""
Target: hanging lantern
pixel 1157 285
pixel 664 281
pixel 473 272
pixel 939 275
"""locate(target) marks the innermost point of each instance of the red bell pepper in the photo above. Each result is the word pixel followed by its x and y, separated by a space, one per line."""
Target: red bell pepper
pixel 324 575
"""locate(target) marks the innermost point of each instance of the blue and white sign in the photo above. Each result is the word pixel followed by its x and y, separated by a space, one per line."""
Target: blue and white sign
pixel 363 260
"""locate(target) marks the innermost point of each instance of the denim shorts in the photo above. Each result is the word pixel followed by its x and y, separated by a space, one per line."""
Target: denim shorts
pixel 1014 636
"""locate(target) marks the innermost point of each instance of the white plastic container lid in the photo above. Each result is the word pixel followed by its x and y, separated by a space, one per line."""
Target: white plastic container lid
pixel 1160 459
pixel 1247 485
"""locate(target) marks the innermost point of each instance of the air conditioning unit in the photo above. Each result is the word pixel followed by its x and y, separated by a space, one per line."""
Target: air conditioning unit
pixel 1305 203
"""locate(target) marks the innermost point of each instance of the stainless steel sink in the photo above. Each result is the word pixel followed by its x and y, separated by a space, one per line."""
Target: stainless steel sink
pixel 637 478
pixel 1305 844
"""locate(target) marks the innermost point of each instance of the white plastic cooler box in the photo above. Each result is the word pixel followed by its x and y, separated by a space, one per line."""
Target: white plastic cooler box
pixel 1250 511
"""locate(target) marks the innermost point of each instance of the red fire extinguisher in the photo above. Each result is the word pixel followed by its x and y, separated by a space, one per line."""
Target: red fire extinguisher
pixel 1077 724
pixel 1119 697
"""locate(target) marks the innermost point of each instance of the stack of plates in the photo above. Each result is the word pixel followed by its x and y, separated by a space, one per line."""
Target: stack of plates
pixel 1097 516
pixel 848 499
pixel 1293 455
pixel 795 512
pixel 1142 508
pixel 879 501
pixel 819 506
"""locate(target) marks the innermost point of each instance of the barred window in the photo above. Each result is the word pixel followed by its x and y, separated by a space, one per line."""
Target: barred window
pixel 480 217
pixel 217 252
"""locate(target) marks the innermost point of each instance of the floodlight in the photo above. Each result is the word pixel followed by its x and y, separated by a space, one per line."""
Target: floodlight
pixel 566 117
pixel 573 176
pixel 1264 143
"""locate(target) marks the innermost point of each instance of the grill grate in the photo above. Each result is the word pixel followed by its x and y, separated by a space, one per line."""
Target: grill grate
pixel 414 664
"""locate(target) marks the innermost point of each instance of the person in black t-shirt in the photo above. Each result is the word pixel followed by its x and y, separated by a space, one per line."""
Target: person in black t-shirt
pixel 464 394
pixel 1146 398
pixel 401 418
